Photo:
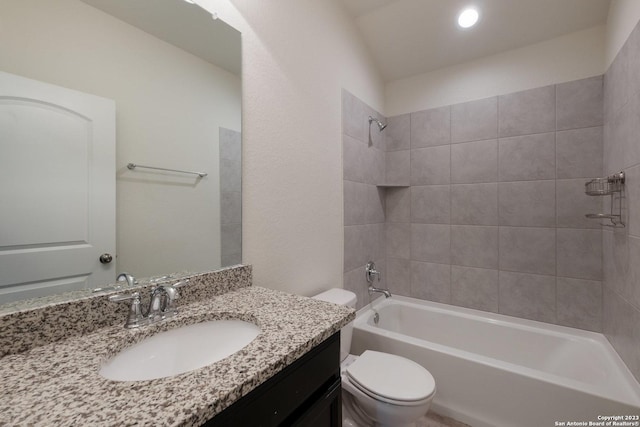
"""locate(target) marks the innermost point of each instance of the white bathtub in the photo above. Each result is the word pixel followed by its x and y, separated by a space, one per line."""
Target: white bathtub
pixel 493 370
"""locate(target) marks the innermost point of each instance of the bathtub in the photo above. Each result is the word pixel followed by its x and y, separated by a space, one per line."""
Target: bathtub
pixel 493 370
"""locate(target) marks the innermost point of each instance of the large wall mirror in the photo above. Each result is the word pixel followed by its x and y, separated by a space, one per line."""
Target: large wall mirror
pixel 160 81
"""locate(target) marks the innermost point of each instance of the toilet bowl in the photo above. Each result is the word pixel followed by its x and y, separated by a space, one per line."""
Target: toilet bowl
pixel 379 389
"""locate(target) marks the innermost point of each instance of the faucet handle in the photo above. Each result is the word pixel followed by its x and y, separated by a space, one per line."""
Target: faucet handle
pixel 135 317
pixel 180 284
pixel 370 272
pixel 172 295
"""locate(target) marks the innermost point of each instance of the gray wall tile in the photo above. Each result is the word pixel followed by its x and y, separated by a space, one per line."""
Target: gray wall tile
pixel 527 203
pixel 230 145
pixel 528 250
pixel 230 259
pixel 430 166
pixel 474 204
pixel 621 269
pixel 399 276
pixel 530 296
pixel 399 132
pixel 616 84
pixel 633 62
pixel 580 253
pixel 355 198
pixel 475 288
pixel 375 137
pixel 580 303
pixel 527 112
pixel 374 206
pixel 632 193
pixel 398 240
pixel 354 167
pixel 398 167
pixel 353 116
pixel 475 120
pixel 620 325
pixel 579 153
pixel 613 157
pixel 431 243
pixel 631 145
pixel 431 127
pixel 573 204
pixel 528 157
pixel 354 246
pixel 363 243
pixel 379 172
pixel 430 204
pixel 474 162
pixel 474 246
pixel 398 204
pixel 580 103
pixel 355 282
pixel 230 175
pixel 231 238
pixel 230 208
pixel 431 281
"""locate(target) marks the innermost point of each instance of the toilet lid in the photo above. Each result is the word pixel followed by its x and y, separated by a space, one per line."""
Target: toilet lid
pixel 391 377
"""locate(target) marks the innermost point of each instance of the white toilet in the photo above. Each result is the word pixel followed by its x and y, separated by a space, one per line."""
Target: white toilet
pixel 379 389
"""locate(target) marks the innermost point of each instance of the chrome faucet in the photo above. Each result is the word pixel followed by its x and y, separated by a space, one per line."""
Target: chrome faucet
pixel 370 273
pixel 386 292
pixel 126 277
pixel 161 305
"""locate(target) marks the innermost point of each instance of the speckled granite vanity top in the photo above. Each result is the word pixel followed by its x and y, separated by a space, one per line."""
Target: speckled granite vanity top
pixel 58 383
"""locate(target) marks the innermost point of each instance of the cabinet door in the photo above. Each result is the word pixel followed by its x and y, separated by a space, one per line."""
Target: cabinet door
pixel 309 385
pixel 326 411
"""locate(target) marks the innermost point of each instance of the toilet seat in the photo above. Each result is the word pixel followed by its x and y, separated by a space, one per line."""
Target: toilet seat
pixel 391 379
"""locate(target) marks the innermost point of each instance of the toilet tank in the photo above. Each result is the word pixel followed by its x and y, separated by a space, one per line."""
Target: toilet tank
pixel 341 297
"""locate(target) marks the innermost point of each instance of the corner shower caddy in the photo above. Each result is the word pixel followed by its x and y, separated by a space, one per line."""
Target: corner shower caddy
pixel 612 185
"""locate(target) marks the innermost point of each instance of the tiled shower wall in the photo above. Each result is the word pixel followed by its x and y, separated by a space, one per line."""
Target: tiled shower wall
pixel 492 213
pixel 621 247
pixel 364 219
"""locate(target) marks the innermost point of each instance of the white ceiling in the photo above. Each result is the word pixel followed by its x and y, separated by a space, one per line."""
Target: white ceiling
pixel 409 37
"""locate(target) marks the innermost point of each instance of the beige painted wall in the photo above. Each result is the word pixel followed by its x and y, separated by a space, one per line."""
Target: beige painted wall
pixel 297 56
pixel 622 19
pixel 570 57
pixel 169 106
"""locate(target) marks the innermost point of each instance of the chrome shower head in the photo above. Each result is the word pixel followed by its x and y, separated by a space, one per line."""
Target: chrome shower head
pixel 381 125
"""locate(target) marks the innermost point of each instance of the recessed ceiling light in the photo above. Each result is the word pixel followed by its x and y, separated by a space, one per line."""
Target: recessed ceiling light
pixel 190 1
pixel 468 18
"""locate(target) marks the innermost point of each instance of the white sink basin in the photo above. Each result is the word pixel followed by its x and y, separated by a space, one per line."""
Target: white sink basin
pixel 180 350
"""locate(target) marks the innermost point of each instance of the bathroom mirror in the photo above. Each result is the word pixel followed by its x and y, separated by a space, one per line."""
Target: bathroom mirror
pixel 173 72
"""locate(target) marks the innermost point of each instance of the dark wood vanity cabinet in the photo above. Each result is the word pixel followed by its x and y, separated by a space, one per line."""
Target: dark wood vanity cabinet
pixel 306 393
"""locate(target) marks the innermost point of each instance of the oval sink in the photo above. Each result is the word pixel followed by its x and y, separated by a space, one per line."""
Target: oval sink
pixel 180 350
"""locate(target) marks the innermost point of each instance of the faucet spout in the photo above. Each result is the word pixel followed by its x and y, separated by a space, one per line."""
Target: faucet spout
pixel 386 292
pixel 126 277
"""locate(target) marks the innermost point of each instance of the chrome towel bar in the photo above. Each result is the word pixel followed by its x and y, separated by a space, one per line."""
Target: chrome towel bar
pixel 134 165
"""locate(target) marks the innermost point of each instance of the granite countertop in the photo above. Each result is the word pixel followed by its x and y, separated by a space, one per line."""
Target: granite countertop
pixel 58 383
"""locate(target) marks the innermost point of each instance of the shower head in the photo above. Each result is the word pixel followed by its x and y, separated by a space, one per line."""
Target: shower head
pixel 381 125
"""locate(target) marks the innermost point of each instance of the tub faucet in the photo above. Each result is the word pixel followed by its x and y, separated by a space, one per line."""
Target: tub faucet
pixel 386 293
pixel 370 273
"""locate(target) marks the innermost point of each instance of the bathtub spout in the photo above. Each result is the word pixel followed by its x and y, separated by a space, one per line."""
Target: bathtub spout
pixel 386 293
